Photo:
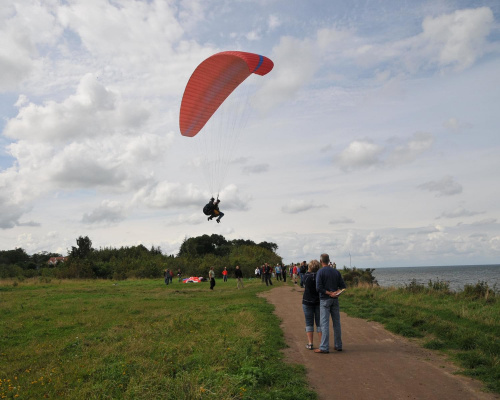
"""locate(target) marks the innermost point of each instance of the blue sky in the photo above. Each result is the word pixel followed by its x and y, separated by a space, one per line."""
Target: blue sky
pixel 375 135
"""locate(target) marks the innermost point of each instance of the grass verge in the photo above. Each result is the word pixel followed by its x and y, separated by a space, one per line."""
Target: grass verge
pixel 466 329
pixel 138 339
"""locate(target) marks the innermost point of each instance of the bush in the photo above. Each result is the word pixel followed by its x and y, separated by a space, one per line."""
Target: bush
pixel 439 286
pixel 414 286
pixel 357 277
pixel 479 291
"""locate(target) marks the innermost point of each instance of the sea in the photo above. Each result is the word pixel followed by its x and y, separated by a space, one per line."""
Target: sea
pixel 457 276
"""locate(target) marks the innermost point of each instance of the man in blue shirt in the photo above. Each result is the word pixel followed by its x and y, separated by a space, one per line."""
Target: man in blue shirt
pixel 328 281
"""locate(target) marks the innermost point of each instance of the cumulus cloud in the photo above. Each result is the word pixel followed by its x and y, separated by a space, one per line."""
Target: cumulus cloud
pixel 233 199
pixel 451 41
pixel 454 125
pixel 298 206
pixel 93 111
pixel 185 219
pixel 444 187
pixel 458 213
pixel 109 212
pixel 253 35
pixel 456 40
pixel 297 65
pixel 23 27
pixel 341 221
pixel 486 221
pixel 170 195
pixel 273 22
pixel 359 154
pixel 409 151
pixel 255 169
pixel 10 213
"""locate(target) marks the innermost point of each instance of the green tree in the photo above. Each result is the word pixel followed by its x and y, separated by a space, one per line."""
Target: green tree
pixel 84 248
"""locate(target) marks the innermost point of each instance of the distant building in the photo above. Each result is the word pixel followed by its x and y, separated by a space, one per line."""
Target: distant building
pixel 56 260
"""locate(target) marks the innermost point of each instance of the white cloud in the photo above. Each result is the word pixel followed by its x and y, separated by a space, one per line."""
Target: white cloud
pixel 109 212
pixel 359 154
pixel 255 169
pixel 295 65
pixel 273 22
pixel 486 221
pixel 341 221
pixel 408 152
pixel 232 199
pixel 10 213
pixel 457 39
pixel 23 27
pixel 458 213
pixel 189 219
pixel 92 111
pixel 297 206
pixel 454 125
pixel 253 35
pixel 444 187
pixel 170 195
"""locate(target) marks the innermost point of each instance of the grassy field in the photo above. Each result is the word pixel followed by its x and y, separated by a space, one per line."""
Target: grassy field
pixel 466 329
pixel 140 339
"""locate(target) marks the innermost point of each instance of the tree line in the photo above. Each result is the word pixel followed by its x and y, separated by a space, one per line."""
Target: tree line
pixel 195 257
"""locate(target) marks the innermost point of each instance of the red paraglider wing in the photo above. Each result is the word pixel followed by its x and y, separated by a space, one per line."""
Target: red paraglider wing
pixel 212 82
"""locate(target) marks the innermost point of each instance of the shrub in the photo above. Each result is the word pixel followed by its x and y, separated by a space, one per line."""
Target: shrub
pixel 414 286
pixel 439 286
pixel 478 291
pixel 358 277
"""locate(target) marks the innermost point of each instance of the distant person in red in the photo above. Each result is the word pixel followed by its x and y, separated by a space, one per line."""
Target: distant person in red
pixel 224 274
pixel 294 273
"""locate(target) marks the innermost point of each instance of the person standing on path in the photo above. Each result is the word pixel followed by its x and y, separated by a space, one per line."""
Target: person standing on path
pixel 277 270
pixel 224 274
pixel 310 303
pixel 268 271
pixel 302 272
pixel 166 275
pixel 179 275
pixel 283 272
pixel 329 280
pixel 239 277
pixel 211 275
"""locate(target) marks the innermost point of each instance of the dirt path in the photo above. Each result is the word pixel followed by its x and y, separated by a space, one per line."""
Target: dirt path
pixel 374 364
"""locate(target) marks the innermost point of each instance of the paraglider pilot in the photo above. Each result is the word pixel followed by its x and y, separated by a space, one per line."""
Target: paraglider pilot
pixel 212 209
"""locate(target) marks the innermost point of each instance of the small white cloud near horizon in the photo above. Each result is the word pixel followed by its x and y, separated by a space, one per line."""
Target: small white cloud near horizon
pixel 447 186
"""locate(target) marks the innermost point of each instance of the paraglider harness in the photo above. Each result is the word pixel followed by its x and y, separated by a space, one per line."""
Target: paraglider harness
pixel 209 208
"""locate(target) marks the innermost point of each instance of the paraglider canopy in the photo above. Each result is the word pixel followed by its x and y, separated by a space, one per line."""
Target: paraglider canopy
pixel 212 82
pixel 193 279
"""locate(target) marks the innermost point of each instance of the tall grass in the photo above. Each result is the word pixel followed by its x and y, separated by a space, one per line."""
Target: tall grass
pixel 465 325
pixel 140 339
